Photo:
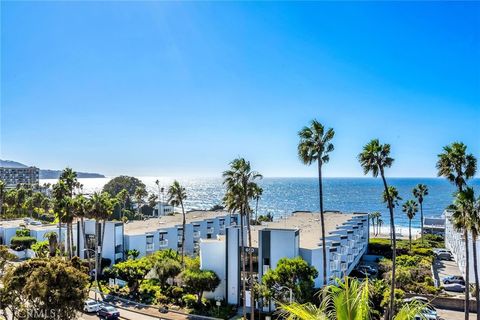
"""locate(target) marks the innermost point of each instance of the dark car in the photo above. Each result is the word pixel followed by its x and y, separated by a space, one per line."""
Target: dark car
pixel 108 312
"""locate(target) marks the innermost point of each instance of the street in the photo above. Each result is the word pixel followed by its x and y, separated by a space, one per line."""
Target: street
pixel 454 315
pixel 124 314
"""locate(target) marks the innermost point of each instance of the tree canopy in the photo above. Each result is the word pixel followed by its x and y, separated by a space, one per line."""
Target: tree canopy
pixel 117 184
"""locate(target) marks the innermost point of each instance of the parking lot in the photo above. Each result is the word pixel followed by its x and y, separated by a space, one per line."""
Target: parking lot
pixel 445 268
pixel 454 315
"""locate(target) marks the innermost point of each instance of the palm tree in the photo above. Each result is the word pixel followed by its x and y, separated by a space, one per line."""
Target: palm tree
pixel 410 207
pixel 457 166
pixel 348 300
pixel 80 210
pixel 419 192
pixel 374 216
pixel 176 196
pixel 52 242
pixel 100 208
pixel 240 183
pixel 122 198
pixel 314 146
pixel 374 158
pixel 69 177
pixel 257 194
pixel 59 205
pixel 465 218
pixel 140 194
pixel 475 230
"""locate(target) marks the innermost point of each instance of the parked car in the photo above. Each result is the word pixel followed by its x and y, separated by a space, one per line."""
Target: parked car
pixel 454 279
pixel 428 312
pixel 91 306
pixel 108 312
pixel 454 287
pixel 443 254
pixel 369 269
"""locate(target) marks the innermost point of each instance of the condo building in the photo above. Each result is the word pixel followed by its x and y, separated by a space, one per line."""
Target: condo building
pixel 455 242
pixel 15 176
pixel 297 235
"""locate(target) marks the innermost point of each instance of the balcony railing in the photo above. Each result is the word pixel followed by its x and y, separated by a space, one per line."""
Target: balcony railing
pixel 150 247
pixel 196 234
pixel 163 243
pixel 210 230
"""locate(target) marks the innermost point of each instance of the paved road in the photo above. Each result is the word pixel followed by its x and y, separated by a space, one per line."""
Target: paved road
pixel 127 315
pixel 454 315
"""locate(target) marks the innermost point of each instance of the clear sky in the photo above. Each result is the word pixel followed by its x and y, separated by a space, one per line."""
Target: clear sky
pixel 180 89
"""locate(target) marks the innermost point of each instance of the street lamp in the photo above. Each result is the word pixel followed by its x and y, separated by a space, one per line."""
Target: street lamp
pixel 96 267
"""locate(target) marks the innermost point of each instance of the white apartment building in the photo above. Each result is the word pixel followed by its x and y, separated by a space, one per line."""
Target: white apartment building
pixel 455 242
pixel 166 232
pixel 297 235
pixel 8 229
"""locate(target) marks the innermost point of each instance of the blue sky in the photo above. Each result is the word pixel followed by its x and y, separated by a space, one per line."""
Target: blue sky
pixel 180 89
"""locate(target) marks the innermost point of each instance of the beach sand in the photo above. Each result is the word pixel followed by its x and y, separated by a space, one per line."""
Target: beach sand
pixel 401 232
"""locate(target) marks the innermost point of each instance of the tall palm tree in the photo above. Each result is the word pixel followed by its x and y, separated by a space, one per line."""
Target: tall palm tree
pixel 257 194
pixel 315 146
pixel 100 208
pixel 140 194
pixel 80 210
pixel 122 198
pixel 475 230
pixel 465 219
pixel 374 216
pixel 176 196
pixel 410 207
pixel 419 192
pixel 69 177
pixel 59 206
pixel 457 166
pixel 348 300
pixel 374 158
pixel 240 183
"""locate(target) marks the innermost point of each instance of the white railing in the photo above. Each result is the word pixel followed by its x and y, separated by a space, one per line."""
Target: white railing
pixel 150 247
pixel 210 230
pixel 196 234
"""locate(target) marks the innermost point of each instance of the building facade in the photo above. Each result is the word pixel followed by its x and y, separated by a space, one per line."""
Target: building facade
pixel 455 242
pixel 296 236
pixel 15 176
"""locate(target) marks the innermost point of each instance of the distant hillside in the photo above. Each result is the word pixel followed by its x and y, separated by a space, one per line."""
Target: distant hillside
pixel 46 173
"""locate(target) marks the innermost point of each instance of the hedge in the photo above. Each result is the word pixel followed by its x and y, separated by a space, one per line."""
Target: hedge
pixel 22 243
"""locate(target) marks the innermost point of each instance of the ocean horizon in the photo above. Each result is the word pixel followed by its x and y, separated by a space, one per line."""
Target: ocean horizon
pixel 282 196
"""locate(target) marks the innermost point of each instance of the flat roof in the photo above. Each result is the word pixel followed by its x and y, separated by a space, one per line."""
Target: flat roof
pixel 308 223
pixel 163 222
pixel 15 223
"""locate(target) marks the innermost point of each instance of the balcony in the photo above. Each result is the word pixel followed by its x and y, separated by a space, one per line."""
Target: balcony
pixel 179 239
pixel 150 247
pixel 196 234
pixel 210 230
pixel 163 243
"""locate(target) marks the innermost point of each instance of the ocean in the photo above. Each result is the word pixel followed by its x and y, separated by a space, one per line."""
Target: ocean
pixel 281 196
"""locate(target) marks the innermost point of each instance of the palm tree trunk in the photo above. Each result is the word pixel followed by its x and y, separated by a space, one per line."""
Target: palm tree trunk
pixel 467 276
pixel 242 257
pixel 250 257
pixel 421 220
pixel 394 247
pixel 101 246
pixel 322 220
pixel 68 242
pixel 184 222
pixel 475 269
pixel 82 227
pixel 60 235
pixel 410 233
pixel 256 211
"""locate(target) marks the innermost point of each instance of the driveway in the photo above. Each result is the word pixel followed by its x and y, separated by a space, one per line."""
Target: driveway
pixel 444 268
pixel 454 315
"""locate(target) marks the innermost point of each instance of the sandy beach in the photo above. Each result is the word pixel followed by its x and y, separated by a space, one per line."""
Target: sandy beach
pixel 401 232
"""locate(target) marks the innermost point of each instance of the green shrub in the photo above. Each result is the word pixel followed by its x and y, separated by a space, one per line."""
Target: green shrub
pixel 425 252
pixel 190 300
pixel 408 261
pixel 22 233
pixel 22 243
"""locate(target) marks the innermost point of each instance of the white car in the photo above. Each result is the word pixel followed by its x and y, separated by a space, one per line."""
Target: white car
pixel 91 306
